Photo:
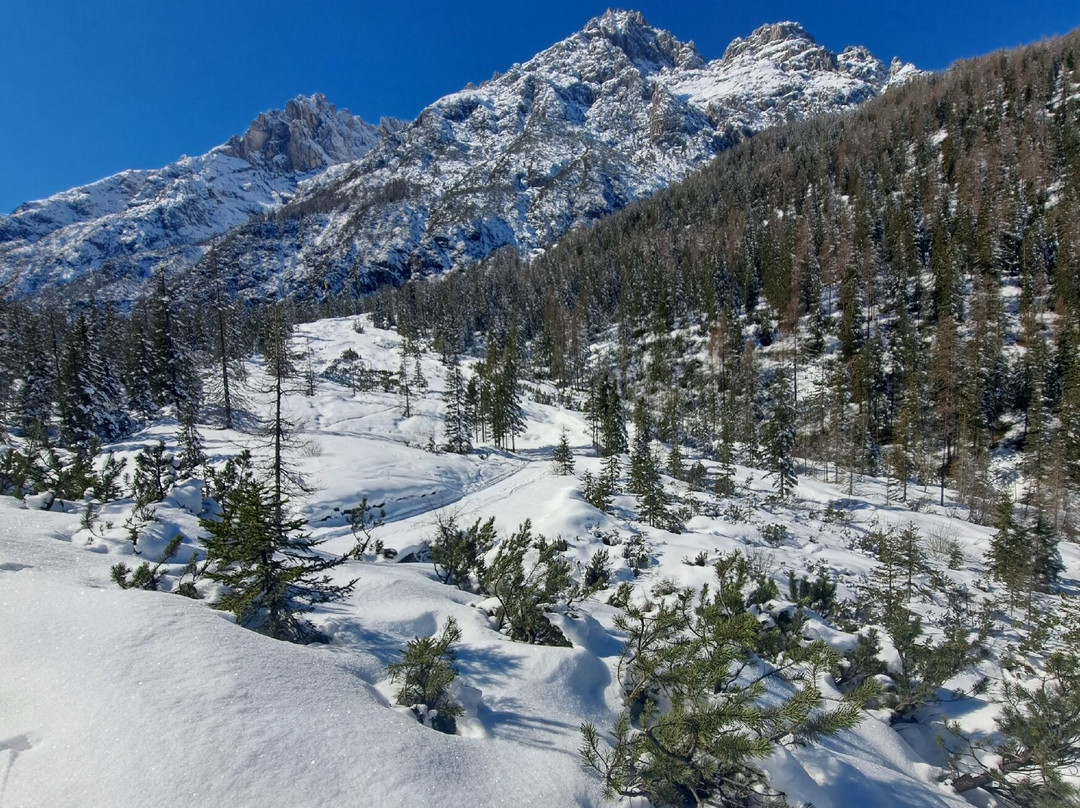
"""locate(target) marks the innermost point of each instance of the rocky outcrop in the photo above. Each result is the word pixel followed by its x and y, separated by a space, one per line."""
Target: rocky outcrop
pixel 308 135
pixel 108 237
pixel 610 114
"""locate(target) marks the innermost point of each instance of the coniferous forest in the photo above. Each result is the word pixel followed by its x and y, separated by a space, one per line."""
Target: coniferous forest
pixel 884 300
pixel 907 277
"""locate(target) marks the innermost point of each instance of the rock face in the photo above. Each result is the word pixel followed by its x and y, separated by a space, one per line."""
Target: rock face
pixel 308 135
pixel 612 113
pixel 109 236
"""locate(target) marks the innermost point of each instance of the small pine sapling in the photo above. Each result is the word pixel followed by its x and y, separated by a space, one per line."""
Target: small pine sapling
pixel 562 459
pixel 154 474
pixel 144 576
pixel 363 519
pixel 106 482
pixel 598 571
pixel 1040 728
pixel 458 553
pixel 596 491
pixel 528 576
pixel 636 553
pixel 426 672
pixel 188 588
pixel 696 719
pixel 191 457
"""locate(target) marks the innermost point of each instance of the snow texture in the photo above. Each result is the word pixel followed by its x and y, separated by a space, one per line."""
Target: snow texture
pixel 115 697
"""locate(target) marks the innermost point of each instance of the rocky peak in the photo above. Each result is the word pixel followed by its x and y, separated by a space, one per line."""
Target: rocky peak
pixel 902 72
pixel 768 35
pixel 785 43
pixel 309 134
pixel 650 49
pixel 858 62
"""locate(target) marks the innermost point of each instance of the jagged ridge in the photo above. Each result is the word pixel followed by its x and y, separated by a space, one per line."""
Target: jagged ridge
pixel 610 114
pixel 110 235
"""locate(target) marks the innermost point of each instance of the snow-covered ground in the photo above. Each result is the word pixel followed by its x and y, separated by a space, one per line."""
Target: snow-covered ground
pixel 113 697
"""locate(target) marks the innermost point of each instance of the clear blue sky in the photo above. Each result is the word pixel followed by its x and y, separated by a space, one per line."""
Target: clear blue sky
pixel 91 88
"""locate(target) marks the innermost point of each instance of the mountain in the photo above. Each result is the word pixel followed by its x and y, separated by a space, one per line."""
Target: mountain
pixel 613 113
pixel 113 233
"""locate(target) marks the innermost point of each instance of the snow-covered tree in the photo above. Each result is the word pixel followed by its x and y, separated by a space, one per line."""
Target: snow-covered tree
pixel 562 459
pixel 458 426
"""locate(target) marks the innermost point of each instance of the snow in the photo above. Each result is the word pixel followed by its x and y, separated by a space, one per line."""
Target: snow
pixel 120 225
pixel 115 697
pixel 613 113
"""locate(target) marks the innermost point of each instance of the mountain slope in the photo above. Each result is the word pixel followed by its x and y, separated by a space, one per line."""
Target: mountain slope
pixel 615 112
pixel 113 233
pixel 238 718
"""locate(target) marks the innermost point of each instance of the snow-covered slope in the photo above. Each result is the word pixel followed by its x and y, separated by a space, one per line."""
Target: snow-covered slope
pixel 612 113
pixel 130 698
pixel 113 233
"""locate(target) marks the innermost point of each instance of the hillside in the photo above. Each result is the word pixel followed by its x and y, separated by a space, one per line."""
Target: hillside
pixel 186 706
pixel 312 202
pixel 107 238
pixel 911 268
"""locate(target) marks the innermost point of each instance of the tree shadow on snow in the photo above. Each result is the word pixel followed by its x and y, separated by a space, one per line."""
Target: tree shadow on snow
pixel 480 666
pixel 507 721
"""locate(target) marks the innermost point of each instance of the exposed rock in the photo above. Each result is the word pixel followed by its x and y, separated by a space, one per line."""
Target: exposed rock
pixel 614 112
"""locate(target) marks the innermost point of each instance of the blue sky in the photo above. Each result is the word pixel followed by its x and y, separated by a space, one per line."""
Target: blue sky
pixel 91 88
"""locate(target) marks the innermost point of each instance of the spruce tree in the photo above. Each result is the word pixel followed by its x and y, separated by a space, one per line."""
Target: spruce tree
pixel 613 428
pixel 1013 560
pixel 562 459
pixel 91 400
pixel 508 418
pixel 675 461
pixel 457 424
pixel 268 564
pixel 645 479
pixel 779 433
pixel 191 456
pixel 405 389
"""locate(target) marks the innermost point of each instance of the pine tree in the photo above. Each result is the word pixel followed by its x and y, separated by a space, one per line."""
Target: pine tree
pixel 457 425
pixel 154 474
pixel 693 727
pixel 562 459
pixel 268 564
pixel 527 576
